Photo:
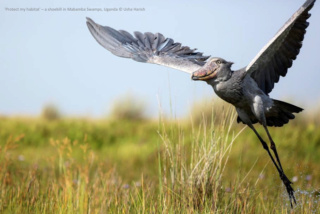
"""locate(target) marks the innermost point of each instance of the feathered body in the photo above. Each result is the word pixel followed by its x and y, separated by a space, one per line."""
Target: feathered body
pixel 251 103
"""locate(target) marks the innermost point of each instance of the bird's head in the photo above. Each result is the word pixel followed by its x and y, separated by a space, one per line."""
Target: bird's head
pixel 213 69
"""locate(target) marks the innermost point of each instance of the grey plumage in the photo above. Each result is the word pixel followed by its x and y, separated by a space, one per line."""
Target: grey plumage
pixel 276 57
pixel 247 88
pixel 147 47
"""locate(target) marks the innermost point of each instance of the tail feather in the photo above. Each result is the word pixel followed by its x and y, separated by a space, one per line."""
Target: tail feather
pixel 280 113
pixel 287 106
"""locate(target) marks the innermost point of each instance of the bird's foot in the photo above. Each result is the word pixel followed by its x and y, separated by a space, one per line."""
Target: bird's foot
pixel 289 188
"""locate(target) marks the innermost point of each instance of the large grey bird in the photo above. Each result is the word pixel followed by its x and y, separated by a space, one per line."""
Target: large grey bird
pixel 247 88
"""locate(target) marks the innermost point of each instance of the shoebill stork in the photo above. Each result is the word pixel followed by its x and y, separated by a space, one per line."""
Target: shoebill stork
pixel 247 88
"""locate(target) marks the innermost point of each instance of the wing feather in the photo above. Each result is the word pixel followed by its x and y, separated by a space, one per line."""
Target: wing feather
pixel 276 57
pixel 147 47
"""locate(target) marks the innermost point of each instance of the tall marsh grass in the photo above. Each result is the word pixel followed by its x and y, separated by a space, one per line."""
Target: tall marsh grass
pixel 168 166
pixel 191 172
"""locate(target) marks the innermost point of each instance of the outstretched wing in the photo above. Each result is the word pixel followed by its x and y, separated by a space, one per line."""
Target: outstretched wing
pixel 147 47
pixel 276 57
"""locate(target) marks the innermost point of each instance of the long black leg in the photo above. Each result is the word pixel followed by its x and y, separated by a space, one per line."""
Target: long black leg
pixel 265 146
pixel 283 177
pixel 273 146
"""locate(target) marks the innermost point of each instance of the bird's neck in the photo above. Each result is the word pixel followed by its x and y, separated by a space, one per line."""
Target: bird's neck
pixel 227 75
pixel 223 75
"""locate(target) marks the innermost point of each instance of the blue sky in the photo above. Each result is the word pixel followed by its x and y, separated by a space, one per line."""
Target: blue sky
pixel 50 57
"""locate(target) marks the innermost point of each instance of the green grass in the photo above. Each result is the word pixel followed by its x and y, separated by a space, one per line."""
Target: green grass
pixel 166 166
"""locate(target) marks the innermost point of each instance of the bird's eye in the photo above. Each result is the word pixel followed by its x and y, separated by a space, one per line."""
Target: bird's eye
pixel 218 61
